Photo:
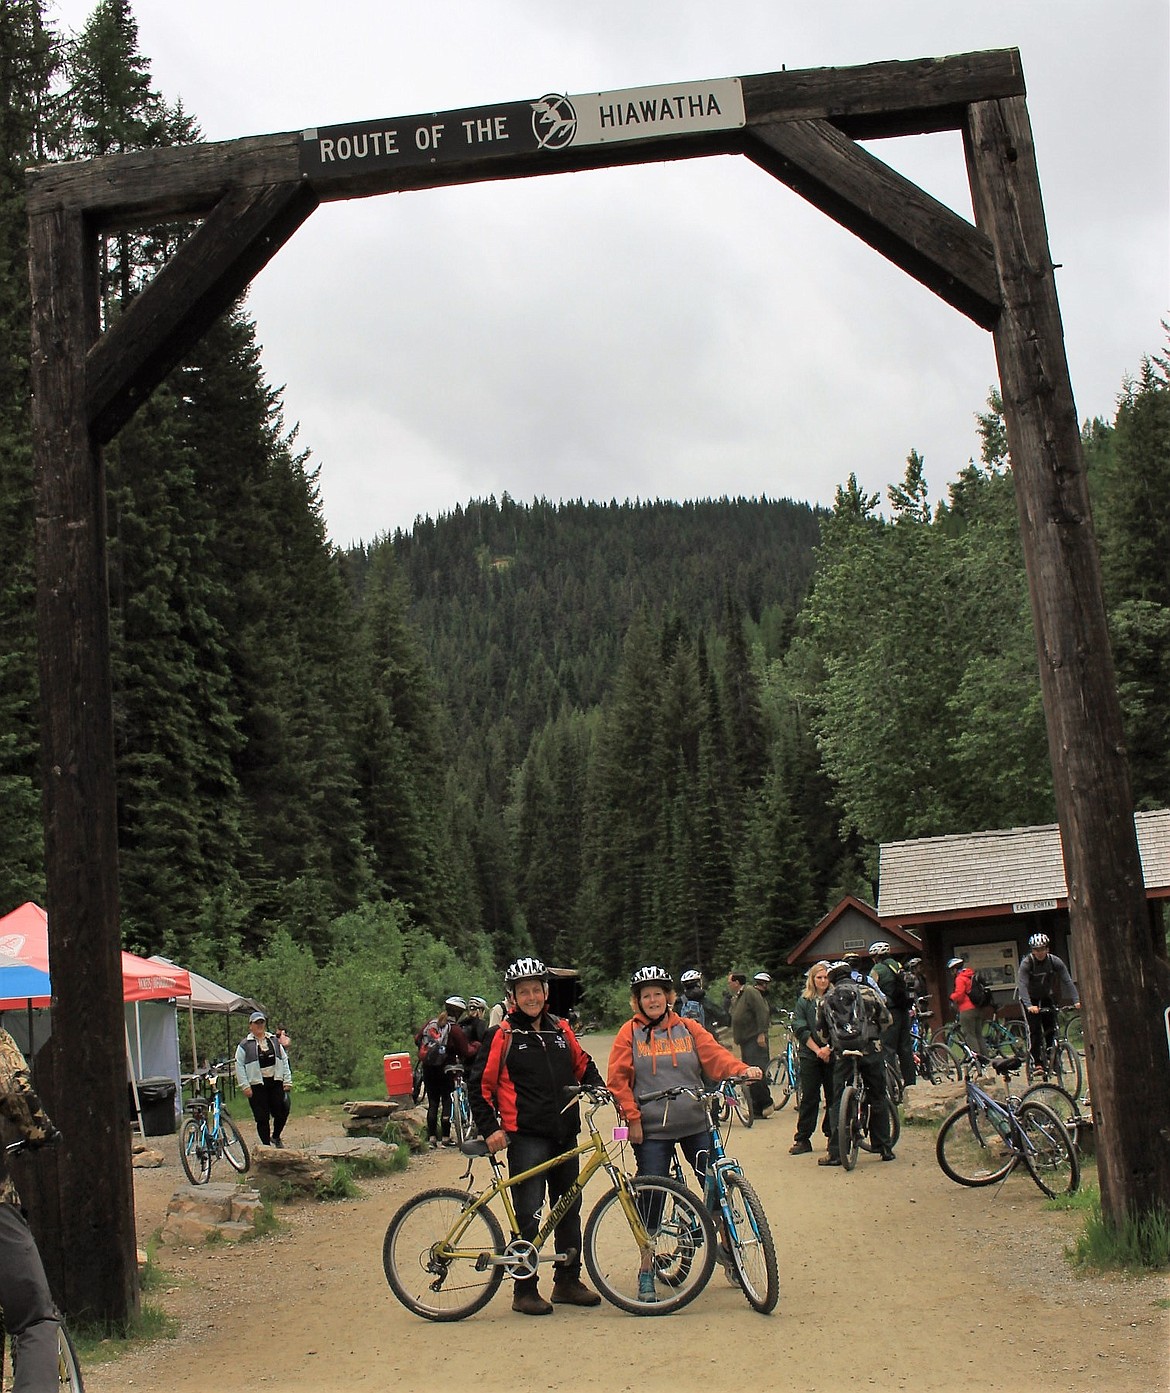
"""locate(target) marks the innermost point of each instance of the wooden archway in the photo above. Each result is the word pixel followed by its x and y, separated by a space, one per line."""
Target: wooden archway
pixel 252 194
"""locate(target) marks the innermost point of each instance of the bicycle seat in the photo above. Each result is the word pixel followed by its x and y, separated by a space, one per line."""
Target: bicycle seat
pixel 476 1147
pixel 197 1105
pixel 1008 1066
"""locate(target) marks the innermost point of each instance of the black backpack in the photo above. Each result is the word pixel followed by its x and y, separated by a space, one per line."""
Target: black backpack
pixel 979 992
pixel 847 1019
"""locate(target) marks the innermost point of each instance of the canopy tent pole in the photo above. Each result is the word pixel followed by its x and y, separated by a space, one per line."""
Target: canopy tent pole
pixel 134 1082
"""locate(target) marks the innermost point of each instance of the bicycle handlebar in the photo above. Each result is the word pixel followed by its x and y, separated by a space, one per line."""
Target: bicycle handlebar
pixel 14 1148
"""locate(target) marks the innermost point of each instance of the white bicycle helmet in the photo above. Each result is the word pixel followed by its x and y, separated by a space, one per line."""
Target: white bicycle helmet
pixel 477 1003
pixel 456 1001
pixel 1038 941
pixel 880 950
pixel 525 969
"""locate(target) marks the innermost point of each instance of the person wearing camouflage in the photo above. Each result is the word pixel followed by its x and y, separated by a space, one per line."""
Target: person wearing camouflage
pixel 30 1316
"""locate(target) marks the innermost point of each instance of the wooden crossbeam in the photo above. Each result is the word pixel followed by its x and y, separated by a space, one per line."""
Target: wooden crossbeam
pixel 212 267
pixel 936 246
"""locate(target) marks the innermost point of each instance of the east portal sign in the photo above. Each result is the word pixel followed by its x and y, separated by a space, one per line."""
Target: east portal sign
pixel 552 122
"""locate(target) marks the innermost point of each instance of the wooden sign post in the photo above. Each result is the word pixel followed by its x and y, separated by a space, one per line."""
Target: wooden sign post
pixel 252 194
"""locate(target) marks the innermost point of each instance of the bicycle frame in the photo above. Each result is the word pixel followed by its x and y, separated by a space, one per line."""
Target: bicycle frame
pixel 598 1157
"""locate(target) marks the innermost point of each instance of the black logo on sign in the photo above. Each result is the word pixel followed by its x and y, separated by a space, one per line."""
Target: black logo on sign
pixel 554 122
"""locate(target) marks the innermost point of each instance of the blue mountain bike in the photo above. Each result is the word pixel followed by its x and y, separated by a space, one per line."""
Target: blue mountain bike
pixel 746 1250
pixel 209 1132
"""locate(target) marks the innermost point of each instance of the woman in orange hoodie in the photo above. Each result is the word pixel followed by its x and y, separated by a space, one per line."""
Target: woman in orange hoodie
pixel 656 1050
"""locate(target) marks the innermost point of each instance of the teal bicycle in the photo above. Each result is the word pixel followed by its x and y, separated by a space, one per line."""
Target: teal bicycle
pixel 746 1248
pixel 209 1132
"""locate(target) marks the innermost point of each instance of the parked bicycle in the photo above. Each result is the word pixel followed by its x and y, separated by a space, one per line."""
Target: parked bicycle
pixel 209 1132
pixel 462 1127
pixel 856 1113
pixel 68 1368
pixel 983 1141
pixel 746 1247
pixel 1076 1114
pixel 445 1253
pixel 783 1071
pixel 933 1062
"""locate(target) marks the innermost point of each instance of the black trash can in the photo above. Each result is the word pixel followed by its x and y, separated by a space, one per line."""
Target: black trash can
pixel 157 1099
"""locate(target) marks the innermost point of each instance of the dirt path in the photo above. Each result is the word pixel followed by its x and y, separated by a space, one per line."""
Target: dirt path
pixel 869 1300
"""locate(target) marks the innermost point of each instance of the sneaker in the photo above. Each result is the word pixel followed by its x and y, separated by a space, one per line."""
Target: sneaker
pixel 646 1290
pixel 725 1260
pixel 276 1141
pixel 433 1142
pixel 887 1155
pixel 828 1160
pixel 571 1291
pixel 798 1148
pixel 529 1302
pixel 448 1141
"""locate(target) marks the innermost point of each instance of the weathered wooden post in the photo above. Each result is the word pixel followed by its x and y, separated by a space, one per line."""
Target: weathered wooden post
pixel 1122 973
pixel 81 1220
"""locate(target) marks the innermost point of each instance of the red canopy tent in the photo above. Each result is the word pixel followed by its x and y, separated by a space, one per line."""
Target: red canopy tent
pixel 25 935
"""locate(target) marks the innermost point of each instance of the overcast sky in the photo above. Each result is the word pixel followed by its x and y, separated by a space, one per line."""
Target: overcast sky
pixel 675 330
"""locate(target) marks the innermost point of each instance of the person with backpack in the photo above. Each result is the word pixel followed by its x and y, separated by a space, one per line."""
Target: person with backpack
pixel 967 988
pixel 1042 979
pixel 691 1006
pixel 517 1090
pixel 891 980
pixel 440 1042
pixel 852 1016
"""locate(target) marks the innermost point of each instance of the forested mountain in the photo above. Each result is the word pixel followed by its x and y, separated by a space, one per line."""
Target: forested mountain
pixel 352 781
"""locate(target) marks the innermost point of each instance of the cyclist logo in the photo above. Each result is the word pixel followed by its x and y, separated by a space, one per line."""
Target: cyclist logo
pixel 554 122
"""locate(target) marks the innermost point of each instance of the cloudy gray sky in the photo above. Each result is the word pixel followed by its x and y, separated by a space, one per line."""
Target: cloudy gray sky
pixel 666 331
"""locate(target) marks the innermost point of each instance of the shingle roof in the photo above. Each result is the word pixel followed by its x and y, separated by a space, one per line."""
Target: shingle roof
pixel 936 874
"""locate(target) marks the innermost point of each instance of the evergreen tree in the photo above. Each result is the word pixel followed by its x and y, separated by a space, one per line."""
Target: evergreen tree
pixel 27 63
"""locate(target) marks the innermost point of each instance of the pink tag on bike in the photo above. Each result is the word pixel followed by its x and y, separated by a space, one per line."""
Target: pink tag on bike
pixel 621 1134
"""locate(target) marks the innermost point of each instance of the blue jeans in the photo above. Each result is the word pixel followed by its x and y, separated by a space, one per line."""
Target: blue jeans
pixel 654 1154
pixel 524 1152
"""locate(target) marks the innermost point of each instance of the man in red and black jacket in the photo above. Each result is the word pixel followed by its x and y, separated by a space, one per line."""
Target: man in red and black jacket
pixel 517 1087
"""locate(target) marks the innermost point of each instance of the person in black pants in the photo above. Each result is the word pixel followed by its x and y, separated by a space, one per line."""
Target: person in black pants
pixel 816 1061
pixel 263 1073
pixel 30 1316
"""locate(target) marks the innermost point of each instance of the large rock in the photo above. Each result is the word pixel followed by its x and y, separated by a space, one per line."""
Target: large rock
pixel 197 1212
pixel 353 1149
pixel 290 1166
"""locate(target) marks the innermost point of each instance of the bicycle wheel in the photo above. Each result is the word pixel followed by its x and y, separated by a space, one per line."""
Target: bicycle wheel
pixel 459 1116
pixel 1072 1029
pixel 970 1151
pixel 68 1369
pixel 1062 1103
pixel 774 1071
pixel 233 1144
pixel 438 1258
pixel 682 1243
pixel 1066 1068
pixel 194 1151
pixel 1050 1155
pixel 741 1107
pixel 752 1249
pixel 942 1064
pixel 782 1085
pixel 849 1126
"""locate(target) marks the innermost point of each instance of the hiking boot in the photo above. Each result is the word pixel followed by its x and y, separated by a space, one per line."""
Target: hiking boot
pixel 828 1160
pixel 276 1141
pixel 887 1155
pixel 571 1291
pixel 727 1263
pixel 529 1302
pixel 646 1290
pixel 798 1148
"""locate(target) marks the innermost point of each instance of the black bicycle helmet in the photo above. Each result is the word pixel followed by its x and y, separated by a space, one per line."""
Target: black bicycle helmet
pixel 524 970
pixel 651 977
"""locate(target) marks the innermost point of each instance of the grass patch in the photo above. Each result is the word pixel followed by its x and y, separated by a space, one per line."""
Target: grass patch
pixel 338 1184
pixel 264 1223
pixel 1087 1198
pixel 1141 1243
pixel 98 1344
pixel 152 1277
